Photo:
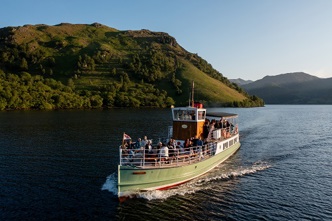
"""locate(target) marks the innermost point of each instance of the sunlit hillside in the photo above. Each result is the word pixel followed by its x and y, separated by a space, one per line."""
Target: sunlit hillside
pixel 105 67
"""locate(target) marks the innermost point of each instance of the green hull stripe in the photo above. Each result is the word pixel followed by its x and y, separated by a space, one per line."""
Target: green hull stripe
pixel 158 178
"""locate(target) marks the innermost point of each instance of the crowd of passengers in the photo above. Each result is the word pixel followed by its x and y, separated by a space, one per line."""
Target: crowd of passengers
pixel 171 148
pixel 211 125
pixel 161 150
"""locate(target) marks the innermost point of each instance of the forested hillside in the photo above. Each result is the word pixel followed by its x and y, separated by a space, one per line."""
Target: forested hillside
pixel 92 66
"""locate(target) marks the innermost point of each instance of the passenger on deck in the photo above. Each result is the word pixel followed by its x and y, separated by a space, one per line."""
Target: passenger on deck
pixel 180 148
pixel 138 148
pixel 148 147
pixel 226 124
pixel 194 141
pixel 218 123
pixel 155 150
pixel 171 143
pixel 163 153
pixel 138 144
pixel 206 128
pixel 124 148
pixel 211 128
pixel 144 141
pixel 187 145
pixel 199 142
pixel 158 147
pixel 130 144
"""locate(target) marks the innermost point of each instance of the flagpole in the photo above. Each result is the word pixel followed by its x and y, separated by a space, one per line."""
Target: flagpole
pixel 192 96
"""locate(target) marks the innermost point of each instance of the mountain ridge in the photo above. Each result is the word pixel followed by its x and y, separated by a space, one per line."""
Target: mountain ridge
pixel 240 81
pixel 292 88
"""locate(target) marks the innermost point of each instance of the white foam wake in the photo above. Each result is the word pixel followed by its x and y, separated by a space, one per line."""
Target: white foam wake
pixel 238 172
pixel 111 184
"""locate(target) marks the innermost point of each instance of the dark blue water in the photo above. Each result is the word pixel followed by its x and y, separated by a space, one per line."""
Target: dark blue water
pixel 62 165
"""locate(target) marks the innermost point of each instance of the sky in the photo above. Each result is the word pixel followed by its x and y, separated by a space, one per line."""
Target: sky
pixel 246 39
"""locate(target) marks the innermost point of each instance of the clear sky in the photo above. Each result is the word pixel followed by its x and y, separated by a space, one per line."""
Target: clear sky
pixel 246 39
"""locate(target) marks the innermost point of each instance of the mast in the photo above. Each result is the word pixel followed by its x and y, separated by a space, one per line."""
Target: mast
pixel 192 96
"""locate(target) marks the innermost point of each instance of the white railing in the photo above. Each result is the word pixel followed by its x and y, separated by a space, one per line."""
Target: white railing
pixel 177 156
pixel 139 157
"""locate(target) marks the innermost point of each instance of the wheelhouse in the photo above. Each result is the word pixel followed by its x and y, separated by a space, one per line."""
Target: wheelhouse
pixel 188 122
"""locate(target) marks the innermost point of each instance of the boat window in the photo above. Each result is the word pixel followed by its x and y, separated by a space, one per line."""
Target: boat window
pixel 184 115
pixel 201 115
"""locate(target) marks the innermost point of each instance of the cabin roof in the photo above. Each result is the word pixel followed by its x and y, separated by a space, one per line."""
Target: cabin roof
pixel 187 108
pixel 221 114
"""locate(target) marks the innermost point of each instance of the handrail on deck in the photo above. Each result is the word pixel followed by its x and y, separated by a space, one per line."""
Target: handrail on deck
pixel 142 158
pixel 139 157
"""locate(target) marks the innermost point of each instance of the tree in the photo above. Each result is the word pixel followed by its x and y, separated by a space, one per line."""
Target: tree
pixel 24 65
pixel 96 101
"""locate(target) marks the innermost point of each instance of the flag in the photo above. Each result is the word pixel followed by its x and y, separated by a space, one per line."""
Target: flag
pixel 126 136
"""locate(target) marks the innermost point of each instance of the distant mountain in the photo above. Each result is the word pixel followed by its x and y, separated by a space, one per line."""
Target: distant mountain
pixel 292 88
pixel 240 81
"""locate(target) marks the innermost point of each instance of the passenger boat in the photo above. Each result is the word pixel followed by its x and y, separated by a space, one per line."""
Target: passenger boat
pixel 214 137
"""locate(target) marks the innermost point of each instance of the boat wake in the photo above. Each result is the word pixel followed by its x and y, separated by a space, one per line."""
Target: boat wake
pixel 237 172
pixel 220 173
pixel 111 184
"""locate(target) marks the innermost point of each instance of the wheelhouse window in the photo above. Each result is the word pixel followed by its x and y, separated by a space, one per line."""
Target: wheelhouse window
pixel 201 115
pixel 188 114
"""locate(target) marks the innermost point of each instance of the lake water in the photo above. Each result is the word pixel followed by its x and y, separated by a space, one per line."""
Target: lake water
pixel 61 165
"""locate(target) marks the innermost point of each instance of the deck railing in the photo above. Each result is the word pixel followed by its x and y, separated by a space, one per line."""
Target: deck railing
pixel 178 156
pixel 141 158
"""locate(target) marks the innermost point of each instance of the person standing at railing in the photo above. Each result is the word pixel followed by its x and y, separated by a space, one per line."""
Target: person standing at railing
pixel 226 125
pixel 138 144
pixel 199 142
pixel 206 128
pixel 187 145
pixel 163 153
pixel 172 147
pixel 171 143
pixel 136 148
pixel 211 128
pixel 218 123
pixel 144 141
pixel 148 147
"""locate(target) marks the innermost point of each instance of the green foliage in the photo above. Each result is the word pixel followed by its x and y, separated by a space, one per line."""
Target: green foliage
pixel 93 66
pixel 36 92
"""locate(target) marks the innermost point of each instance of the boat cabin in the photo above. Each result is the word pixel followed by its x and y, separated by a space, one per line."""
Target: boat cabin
pixel 188 122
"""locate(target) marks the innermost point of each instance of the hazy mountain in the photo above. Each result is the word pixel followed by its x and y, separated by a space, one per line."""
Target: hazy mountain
pixel 240 81
pixel 292 88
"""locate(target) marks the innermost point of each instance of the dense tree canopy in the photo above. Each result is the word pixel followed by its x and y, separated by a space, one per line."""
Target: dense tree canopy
pixel 36 92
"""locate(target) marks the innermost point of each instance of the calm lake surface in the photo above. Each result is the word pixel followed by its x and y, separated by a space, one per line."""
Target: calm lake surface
pixel 62 165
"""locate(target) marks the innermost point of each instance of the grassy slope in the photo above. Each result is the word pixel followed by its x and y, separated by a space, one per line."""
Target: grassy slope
pixel 85 39
pixel 206 88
